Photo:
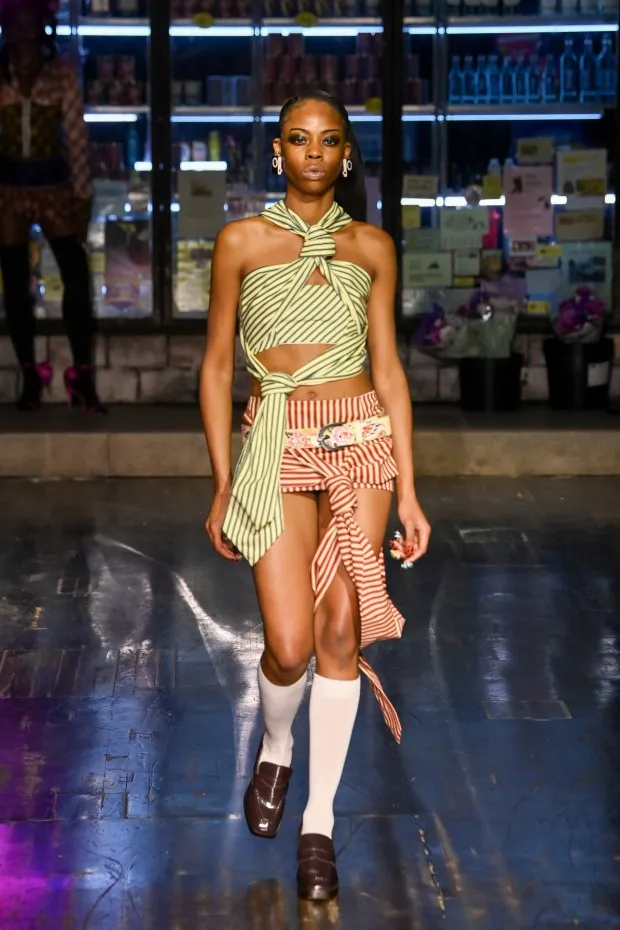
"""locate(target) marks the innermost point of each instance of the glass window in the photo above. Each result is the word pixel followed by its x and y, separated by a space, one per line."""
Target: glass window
pixel 213 133
pixel 113 47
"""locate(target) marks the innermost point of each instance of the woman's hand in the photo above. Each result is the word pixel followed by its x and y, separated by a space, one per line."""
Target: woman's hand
pixel 417 531
pixel 214 524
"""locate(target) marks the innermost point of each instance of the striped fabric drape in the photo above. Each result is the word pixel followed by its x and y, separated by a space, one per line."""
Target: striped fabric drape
pixel 340 473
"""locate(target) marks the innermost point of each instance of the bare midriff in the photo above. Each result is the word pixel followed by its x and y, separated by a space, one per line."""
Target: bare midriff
pixel 290 358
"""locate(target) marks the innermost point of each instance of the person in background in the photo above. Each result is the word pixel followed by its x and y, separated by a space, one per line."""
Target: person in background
pixel 44 180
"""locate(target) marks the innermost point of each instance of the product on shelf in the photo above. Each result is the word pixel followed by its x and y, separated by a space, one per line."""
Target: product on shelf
pixel 130 8
pixel 494 8
pixel 587 78
pixel 288 9
pixel 288 70
pixel 115 84
pixel 218 9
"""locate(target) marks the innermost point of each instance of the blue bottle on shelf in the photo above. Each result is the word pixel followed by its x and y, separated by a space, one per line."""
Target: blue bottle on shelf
pixel 532 80
pixel 606 71
pixel 469 81
pixel 569 73
pixel 455 81
pixel 520 80
pixel 493 80
pixel 549 81
pixel 507 81
pixel 588 90
pixel 481 91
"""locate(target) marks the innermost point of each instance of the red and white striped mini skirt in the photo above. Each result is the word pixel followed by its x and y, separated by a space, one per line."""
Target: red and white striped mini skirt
pixel 340 472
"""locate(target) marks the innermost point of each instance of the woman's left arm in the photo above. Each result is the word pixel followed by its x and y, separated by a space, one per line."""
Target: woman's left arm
pixel 390 382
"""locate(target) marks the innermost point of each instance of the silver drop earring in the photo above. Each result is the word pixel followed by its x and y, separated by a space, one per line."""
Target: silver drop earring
pixel 347 167
pixel 277 163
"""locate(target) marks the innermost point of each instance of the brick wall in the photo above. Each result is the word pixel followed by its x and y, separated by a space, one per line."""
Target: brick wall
pixel 163 369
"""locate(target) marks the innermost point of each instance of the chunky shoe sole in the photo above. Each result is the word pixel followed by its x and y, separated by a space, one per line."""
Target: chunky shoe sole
pixel 317 876
pixel 316 892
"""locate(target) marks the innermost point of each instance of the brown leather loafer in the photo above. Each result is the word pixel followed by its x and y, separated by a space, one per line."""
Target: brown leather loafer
pixel 317 878
pixel 265 797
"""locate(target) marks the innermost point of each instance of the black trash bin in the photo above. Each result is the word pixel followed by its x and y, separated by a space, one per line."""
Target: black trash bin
pixel 490 384
pixel 579 373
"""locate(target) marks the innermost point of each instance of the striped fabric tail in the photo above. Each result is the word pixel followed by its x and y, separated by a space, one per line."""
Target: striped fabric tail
pixel 387 708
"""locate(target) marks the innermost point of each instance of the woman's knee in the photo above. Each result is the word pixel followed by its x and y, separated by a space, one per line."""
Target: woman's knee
pixel 337 636
pixel 287 661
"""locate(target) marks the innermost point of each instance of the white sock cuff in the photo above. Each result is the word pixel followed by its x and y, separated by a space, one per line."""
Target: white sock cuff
pixel 335 688
pixel 269 686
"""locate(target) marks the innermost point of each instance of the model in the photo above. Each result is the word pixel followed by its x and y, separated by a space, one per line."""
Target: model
pixel 323 451
pixel 44 180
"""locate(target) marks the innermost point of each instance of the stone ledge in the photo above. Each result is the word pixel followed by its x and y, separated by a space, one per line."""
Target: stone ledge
pixel 168 442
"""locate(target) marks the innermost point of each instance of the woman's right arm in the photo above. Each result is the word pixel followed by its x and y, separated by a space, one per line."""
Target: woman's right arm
pixel 217 372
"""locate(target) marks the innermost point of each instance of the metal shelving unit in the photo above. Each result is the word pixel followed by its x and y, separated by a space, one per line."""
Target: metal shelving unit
pixel 159 120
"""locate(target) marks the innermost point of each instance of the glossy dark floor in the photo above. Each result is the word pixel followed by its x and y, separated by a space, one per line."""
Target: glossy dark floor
pixel 129 723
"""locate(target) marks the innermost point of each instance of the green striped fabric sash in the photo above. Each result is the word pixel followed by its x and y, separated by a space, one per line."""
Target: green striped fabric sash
pixel 254 516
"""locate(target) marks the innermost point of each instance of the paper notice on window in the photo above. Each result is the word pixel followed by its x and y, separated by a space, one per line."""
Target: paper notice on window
pixel 587 263
pixel 427 269
pixel 422 240
pixel 579 225
pixel 202 195
pixel 528 181
pixel 422 186
pixel 548 255
pixel 527 211
pixel 535 151
pixel 463 229
pixel 528 217
pixel 582 173
pixel 466 263
pixel 193 275
pixel 411 217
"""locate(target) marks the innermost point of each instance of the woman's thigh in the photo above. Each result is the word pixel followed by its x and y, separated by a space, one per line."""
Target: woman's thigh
pixel 283 585
pixel 337 619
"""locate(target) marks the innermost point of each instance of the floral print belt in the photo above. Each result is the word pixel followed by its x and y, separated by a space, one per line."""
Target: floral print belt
pixel 334 436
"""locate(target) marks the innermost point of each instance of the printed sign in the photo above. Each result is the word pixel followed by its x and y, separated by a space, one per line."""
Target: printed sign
pixel 535 151
pixel 463 229
pixel 582 173
pixel 420 185
pixel 427 269
pixel 577 225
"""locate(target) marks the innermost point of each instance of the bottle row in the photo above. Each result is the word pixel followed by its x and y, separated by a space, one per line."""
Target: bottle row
pixel 584 78
pixel 289 9
pixel 495 8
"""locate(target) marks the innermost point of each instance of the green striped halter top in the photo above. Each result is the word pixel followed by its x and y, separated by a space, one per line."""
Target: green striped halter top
pixel 279 307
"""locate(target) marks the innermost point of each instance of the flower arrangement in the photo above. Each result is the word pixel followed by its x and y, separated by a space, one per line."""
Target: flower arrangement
pixel 581 317
pixel 481 327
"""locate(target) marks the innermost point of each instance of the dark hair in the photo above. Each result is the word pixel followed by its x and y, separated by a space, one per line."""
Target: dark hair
pixel 45 10
pixel 350 192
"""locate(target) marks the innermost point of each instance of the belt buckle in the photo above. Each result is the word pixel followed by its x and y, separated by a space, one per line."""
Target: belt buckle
pixel 325 434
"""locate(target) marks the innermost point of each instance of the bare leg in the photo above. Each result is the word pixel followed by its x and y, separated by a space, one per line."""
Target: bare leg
pixel 336 687
pixel 286 602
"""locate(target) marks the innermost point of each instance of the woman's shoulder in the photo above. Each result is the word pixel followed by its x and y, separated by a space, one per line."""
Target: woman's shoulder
pixel 242 238
pixel 375 244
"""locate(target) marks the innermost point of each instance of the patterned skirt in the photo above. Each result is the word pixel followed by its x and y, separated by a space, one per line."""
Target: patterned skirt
pixel 340 473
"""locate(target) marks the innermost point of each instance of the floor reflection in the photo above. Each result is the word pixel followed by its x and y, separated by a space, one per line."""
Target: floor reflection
pixel 128 721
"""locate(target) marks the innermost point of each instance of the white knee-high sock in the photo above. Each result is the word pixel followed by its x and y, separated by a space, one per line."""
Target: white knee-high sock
pixel 333 709
pixel 279 705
